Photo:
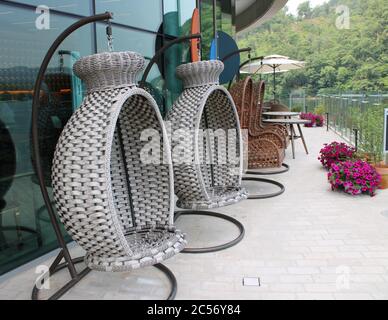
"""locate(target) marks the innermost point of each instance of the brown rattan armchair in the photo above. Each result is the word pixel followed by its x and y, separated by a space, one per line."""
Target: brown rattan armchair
pixel 259 90
pixel 265 147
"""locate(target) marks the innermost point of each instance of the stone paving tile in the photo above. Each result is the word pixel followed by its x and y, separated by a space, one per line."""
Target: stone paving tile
pixel 308 243
pixel 315 296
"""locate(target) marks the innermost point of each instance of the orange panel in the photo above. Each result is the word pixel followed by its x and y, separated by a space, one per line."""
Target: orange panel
pixel 194 43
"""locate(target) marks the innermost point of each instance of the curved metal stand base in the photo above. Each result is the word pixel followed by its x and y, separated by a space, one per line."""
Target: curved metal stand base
pixel 35 291
pixel 217 215
pixel 285 165
pixel 268 195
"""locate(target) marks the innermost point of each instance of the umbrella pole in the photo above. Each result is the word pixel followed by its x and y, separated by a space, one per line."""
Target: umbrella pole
pixel 274 85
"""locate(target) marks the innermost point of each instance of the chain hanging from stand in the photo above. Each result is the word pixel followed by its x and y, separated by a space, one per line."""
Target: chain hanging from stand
pixel 109 36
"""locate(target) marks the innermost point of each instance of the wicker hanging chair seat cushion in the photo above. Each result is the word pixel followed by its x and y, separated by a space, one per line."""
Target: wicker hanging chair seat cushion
pixel 114 202
pixel 207 170
pixel 265 147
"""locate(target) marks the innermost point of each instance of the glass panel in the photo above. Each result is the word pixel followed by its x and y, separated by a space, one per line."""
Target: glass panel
pixel 141 42
pixel 225 14
pixel 206 27
pixel 176 22
pixel 145 14
pixel 223 22
pixel 177 16
pixel 173 57
pixel 70 6
pixel 128 39
pixel 25 230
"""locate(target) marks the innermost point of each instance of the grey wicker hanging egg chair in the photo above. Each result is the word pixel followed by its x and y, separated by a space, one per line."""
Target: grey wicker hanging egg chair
pixel 204 104
pixel 116 206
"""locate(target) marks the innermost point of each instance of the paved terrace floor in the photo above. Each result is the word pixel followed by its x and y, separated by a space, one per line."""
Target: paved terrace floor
pixel 309 243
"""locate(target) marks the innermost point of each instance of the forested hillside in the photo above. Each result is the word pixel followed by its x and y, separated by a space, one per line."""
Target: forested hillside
pixel 353 59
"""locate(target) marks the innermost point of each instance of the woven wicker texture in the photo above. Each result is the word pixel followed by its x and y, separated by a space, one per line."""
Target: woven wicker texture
pixel 55 109
pixel 265 147
pixel 116 206
pixel 206 175
pixel 281 130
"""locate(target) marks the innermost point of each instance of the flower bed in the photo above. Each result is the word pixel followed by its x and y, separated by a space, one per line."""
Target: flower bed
pixel 316 120
pixel 335 152
pixel 354 177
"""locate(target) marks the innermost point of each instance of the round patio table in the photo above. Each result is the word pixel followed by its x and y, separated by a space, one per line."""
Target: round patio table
pixel 285 114
pixel 291 122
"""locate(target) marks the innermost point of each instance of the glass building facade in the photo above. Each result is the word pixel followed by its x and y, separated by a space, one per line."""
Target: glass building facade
pixel 26 32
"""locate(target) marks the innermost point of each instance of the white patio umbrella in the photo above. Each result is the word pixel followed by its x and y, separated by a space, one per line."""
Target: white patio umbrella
pixel 273 64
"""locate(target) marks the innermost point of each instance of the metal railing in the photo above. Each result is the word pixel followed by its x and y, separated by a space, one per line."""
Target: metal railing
pixel 357 118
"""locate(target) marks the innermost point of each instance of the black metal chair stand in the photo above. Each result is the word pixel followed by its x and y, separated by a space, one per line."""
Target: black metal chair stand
pixel 57 266
pixel 268 181
pixel 265 173
pixel 219 216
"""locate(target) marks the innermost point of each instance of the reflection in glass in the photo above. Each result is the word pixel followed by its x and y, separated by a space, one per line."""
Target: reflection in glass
pixel 143 43
pixel 25 230
pixel 177 16
pixel 223 13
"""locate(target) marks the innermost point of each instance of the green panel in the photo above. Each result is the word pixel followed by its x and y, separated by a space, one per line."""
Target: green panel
pixel 176 22
pixel 223 12
pixel 206 27
pixel 177 16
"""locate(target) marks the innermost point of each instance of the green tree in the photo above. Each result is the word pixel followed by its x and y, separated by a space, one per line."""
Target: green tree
pixel 304 10
pixel 353 59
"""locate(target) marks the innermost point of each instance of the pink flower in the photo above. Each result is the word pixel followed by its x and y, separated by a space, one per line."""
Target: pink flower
pixel 354 177
pixel 335 152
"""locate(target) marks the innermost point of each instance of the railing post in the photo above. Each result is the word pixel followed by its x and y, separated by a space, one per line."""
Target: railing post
pixel 355 130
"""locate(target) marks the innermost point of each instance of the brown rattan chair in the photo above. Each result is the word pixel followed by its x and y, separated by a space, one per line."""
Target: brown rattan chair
pixel 259 90
pixel 276 106
pixel 265 147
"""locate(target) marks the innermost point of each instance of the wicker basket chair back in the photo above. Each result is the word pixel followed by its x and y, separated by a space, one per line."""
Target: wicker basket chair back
pixel 242 93
pixel 207 170
pixel 257 108
pixel 279 129
pixel 116 202
pixel 265 148
pixel 277 106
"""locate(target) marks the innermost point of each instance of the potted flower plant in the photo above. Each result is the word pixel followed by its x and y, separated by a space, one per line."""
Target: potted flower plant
pixel 382 170
pixel 316 120
pixel 308 116
pixel 319 120
pixel 335 152
pixel 354 177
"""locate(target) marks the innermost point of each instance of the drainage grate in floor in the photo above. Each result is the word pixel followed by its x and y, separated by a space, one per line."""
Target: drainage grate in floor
pixel 251 281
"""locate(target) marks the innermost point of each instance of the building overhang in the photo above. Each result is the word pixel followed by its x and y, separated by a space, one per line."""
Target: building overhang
pixel 251 13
